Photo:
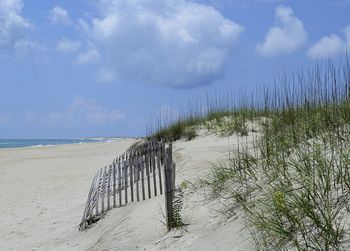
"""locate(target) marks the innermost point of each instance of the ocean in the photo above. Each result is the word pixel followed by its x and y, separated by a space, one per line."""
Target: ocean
pixel 15 143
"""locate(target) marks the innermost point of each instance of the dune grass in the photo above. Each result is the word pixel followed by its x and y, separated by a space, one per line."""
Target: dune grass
pixel 293 181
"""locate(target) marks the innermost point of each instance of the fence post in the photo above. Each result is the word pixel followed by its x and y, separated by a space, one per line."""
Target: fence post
pixel 169 186
pixel 147 160
pixel 158 153
pixel 120 181
pixel 137 174
pixel 114 183
pixel 99 190
pixel 153 166
pixel 131 172
pixel 125 163
pixel 104 185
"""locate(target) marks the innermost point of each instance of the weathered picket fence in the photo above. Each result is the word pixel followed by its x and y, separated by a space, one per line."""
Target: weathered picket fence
pixel 133 176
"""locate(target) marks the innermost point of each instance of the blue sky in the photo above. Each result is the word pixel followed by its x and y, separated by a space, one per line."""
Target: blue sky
pixel 104 67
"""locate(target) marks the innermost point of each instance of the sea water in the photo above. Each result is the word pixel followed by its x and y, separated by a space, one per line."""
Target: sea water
pixel 14 143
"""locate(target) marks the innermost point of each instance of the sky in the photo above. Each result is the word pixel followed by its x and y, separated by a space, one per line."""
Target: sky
pixel 105 67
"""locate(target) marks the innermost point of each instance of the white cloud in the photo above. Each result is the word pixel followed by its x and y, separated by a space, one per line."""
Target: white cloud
pixel 68 46
pixel 12 24
pixel 326 47
pixel 93 112
pixel 88 57
pixel 23 47
pixel 172 42
pixel 81 111
pixel 330 46
pixel 286 36
pixel 59 15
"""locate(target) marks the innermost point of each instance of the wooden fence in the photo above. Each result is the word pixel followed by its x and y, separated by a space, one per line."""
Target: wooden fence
pixel 133 176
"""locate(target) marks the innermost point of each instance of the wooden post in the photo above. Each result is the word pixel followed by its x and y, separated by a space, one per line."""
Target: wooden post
pixel 109 187
pixel 126 177
pixel 123 171
pixel 88 210
pixel 153 167
pixel 99 190
pixel 143 176
pixel 119 182
pixel 131 169
pixel 103 190
pixel 137 174
pixel 168 186
pixel 114 185
pixel 159 170
pixel 147 158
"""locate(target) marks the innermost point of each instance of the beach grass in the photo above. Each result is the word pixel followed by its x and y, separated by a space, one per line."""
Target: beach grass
pixel 291 179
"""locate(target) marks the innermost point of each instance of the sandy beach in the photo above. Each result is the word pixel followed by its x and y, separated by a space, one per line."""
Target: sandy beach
pixel 44 190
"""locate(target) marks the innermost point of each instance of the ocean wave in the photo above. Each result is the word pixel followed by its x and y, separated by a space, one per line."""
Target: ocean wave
pixel 39 145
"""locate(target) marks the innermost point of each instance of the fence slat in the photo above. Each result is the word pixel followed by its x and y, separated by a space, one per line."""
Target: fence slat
pixel 103 189
pixel 98 190
pixel 159 171
pixel 109 187
pixel 119 182
pixel 125 163
pixel 131 170
pixel 153 167
pixel 137 174
pixel 88 211
pixel 143 176
pixel 114 185
pixel 147 158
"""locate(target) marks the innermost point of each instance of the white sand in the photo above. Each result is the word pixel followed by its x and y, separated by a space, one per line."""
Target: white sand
pixel 43 192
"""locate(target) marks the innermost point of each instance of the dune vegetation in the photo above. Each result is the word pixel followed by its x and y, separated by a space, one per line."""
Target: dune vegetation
pixel 291 181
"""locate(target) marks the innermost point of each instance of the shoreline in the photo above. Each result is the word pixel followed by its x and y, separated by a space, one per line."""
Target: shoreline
pixel 93 140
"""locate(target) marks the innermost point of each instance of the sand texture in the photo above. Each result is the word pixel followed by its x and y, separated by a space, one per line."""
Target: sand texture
pixel 43 192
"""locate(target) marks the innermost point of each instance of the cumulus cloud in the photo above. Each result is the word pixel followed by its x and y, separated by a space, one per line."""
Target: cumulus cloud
pixel 12 24
pixel 81 111
pixel 171 42
pixel 286 36
pixel 59 15
pixel 330 46
pixel 68 46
